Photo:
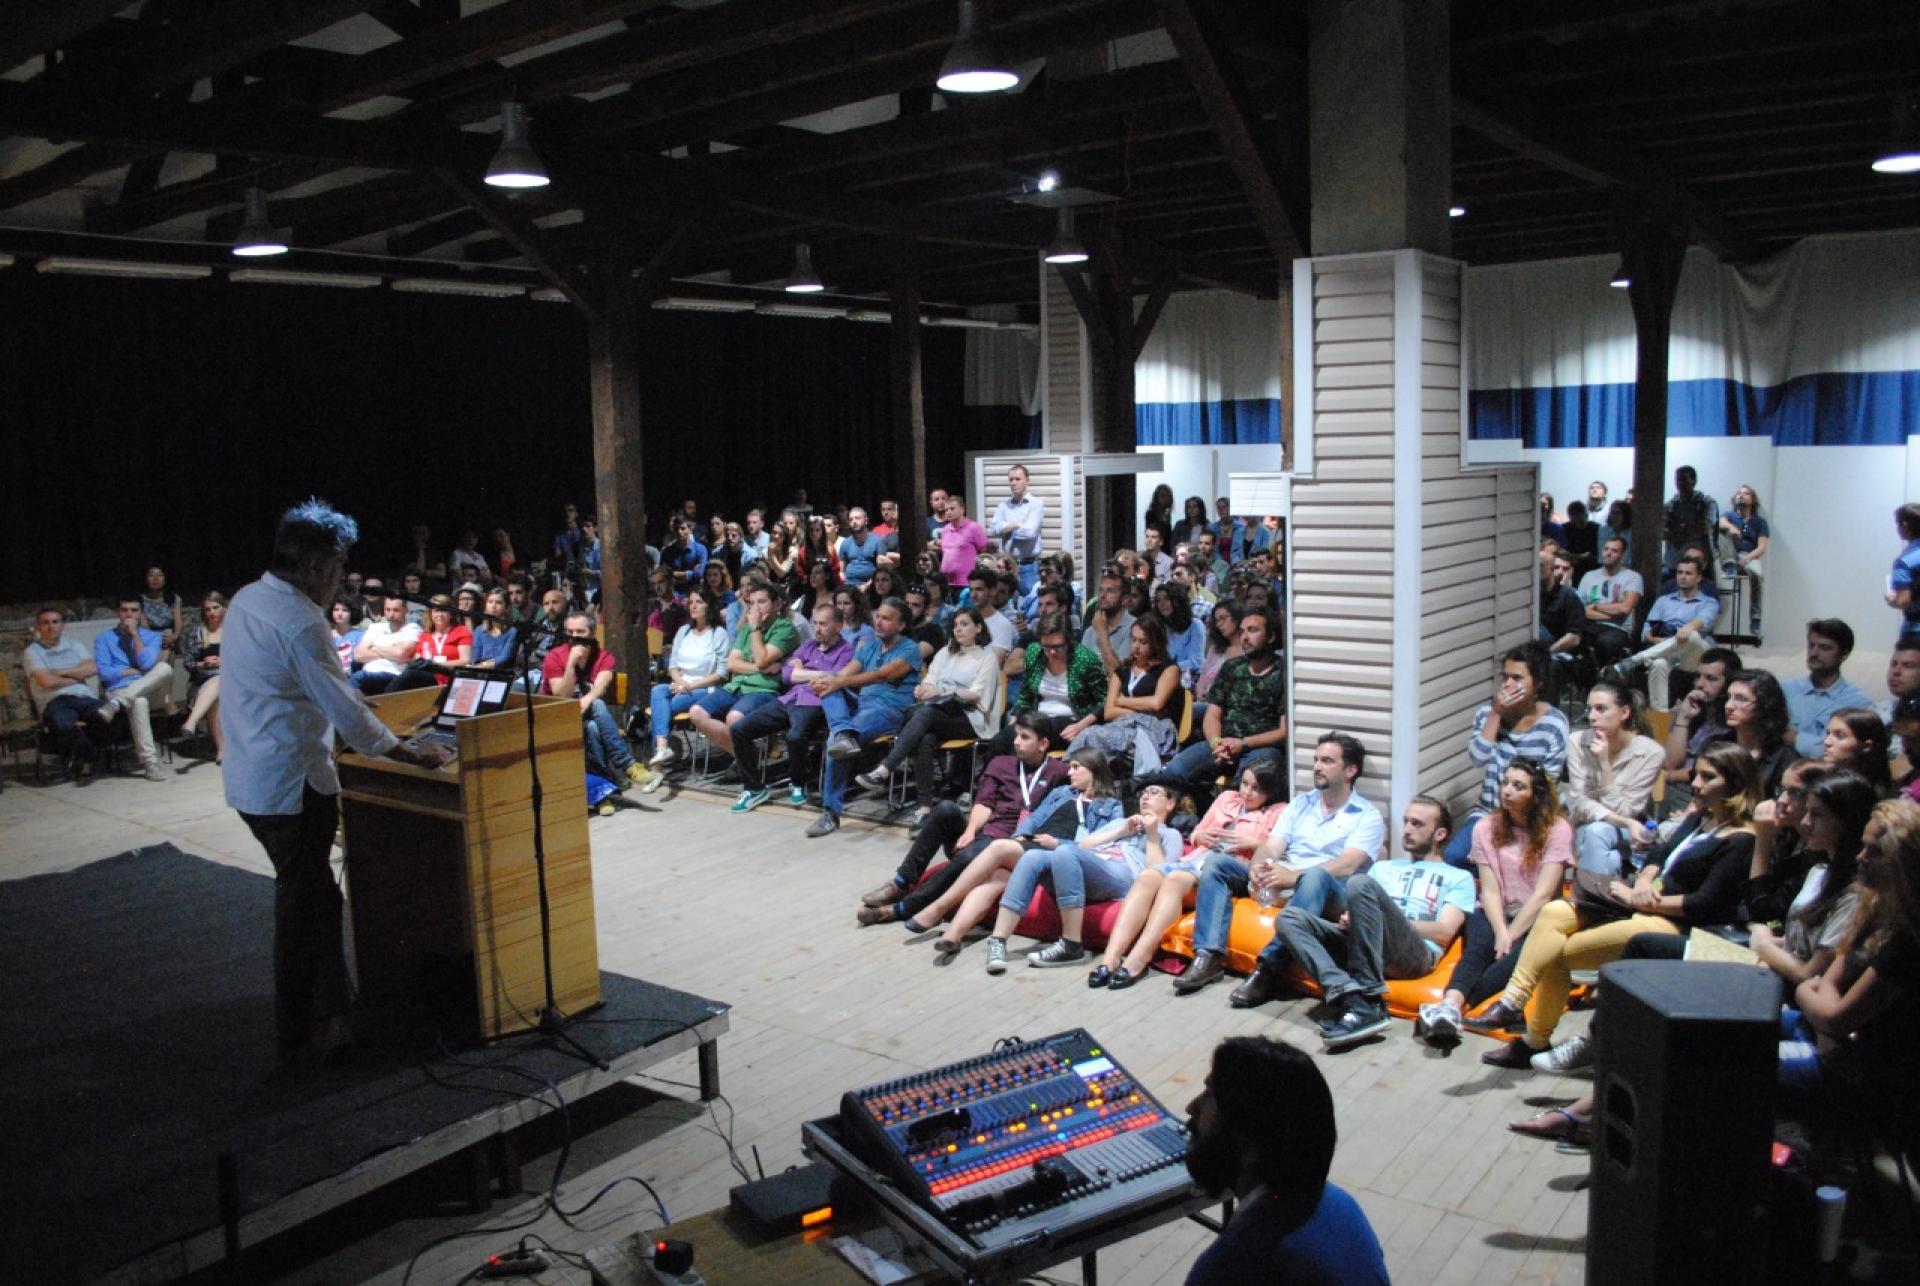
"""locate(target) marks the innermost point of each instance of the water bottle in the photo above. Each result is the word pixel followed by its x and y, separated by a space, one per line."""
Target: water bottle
pixel 1270 895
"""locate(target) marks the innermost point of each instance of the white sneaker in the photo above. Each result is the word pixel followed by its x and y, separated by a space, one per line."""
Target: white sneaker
pixel 664 755
pixel 1440 1023
pixel 1574 1056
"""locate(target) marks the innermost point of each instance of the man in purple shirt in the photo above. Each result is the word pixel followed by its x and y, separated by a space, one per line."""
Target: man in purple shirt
pixel 961 541
pixel 797 715
pixel 1011 787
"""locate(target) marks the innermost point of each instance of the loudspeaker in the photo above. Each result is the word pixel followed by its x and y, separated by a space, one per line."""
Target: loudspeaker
pixel 1683 1123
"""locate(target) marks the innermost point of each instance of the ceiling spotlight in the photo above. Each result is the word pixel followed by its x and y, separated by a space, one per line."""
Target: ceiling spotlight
pixel 971 66
pixel 257 236
pixel 1620 280
pixel 803 280
pixel 1049 180
pixel 1901 155
pixel 515 164
pixel 1066 248
pixel 1456 211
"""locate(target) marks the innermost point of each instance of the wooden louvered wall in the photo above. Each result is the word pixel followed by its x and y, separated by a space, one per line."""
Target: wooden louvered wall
pixel 1062 526
pixel 1066 416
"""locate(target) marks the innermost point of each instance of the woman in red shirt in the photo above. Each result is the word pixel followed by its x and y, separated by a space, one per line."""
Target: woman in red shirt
pixel 447 643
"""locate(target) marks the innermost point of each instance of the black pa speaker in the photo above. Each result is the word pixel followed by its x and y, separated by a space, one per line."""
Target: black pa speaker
pixel 1683 1123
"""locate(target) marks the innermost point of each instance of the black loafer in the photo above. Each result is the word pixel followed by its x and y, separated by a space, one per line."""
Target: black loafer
pixel 1122 979
pixel 1100 976
pixel 1515 1055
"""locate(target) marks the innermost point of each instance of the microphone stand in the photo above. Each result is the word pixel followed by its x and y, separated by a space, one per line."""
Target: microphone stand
pixel 552 1024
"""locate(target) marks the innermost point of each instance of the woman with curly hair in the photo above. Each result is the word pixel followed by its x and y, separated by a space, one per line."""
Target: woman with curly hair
pixel 1694 878
pixel 1521 852
pixel 1758 719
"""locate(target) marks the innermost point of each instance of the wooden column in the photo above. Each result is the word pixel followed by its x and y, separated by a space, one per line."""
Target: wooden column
pixel 909 407
pixel 614 355
pixel 1652 257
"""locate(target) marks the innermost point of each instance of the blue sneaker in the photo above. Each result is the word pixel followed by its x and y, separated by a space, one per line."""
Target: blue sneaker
pixel 748 801
pixel 797 796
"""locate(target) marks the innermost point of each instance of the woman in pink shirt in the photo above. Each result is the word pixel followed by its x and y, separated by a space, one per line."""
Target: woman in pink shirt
pixel 1523 853
pixel 1237 823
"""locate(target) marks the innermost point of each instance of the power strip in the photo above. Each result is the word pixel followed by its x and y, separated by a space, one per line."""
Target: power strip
pixel 691 1277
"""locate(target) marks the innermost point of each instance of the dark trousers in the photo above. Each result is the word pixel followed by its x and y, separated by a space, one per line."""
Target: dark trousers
pixel 309 959
pixel 799 725
pixel 75 730
pixel 1608 644
pixel 1478 975
pixel 944 825
pixel 928 724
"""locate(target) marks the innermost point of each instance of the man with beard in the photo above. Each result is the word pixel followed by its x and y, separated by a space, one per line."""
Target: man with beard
pixel 1263 1129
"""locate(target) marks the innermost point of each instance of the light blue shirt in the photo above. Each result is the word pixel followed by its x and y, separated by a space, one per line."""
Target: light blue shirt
pixel 1808 709
pixel 1314 837
pixel 899 692
pixel 1024 517
pixel 68 654
pixel 1676 611
pixel 1424 889
pixel 1189 650
pixel 116 667
pixel 753 549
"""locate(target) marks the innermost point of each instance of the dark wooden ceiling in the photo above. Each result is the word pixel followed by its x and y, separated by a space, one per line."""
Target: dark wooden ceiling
pixel 1743 124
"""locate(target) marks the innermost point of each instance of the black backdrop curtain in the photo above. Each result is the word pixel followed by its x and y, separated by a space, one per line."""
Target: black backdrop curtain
pixel 170 422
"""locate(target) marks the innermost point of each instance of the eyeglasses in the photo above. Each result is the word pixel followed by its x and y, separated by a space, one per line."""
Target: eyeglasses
pixel 1053 647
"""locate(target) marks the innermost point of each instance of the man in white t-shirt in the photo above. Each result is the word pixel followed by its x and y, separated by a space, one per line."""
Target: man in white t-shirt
pixel 1400 919
pixel 385 649
pixel 984 584
pixel 1611 592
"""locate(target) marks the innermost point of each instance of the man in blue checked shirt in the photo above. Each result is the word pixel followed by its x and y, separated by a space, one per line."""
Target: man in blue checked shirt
pixel 1679 622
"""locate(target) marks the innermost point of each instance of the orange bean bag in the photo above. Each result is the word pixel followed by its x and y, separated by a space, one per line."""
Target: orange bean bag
pixel 1252 930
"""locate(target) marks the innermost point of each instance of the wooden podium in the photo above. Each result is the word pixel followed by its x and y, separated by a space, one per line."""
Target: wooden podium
pixel 440 872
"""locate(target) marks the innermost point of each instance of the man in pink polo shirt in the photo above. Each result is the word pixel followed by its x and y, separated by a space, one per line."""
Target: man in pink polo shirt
pixel 961 541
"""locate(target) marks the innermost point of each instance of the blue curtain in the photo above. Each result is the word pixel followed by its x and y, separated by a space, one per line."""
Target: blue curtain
pixel 1245 421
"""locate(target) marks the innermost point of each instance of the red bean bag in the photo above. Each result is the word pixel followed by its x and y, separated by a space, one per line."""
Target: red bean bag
pixel 1042 920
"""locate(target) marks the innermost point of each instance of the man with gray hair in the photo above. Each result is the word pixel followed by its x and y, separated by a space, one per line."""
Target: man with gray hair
pixel 283 695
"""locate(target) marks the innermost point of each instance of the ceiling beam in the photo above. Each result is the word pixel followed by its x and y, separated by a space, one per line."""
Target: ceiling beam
pixel 69 169
pixel 51 24
pixel 1277 204
pixel 1540 137
pixel 457 226
pixel 224 185
pixel 558 267
pixel 224 34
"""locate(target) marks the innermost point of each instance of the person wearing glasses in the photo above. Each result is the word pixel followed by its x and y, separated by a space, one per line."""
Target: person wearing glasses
pixel 1063 682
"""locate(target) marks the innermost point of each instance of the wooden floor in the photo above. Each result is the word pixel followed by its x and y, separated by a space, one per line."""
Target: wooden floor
pixel 747 910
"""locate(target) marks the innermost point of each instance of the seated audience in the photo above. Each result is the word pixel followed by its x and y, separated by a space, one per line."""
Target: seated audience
pixel 1801 940
pixel 859 549
pixel 1563 617
pixel 1857 741
pixel 58 668
pixel 754 539
pixel 1223 644
pixel 1611 592
pixel 683 556
pixel 1903 676
pixel 1144 699
pixel 1520 720
pixel 160 609
pixel 346 634
pixel 1291 1225
pixel 466 562
pixel 763 641
pixel 1680 621
pixel 887 583
pixel 696 661
pixel 1689 518
pixel 1822 692
pixel 1109 625
pixel 496 639
pixel 984 589
pixel 1153 552
pixel 1062 683
pixel 413 592
pixel 520 607
pixel 1780 858
pixel 1521 855
pixel 1084 805
pixel 388 646
pixel 445 645
pixel 1186 632
pixel 585 671
pixel 1580 538
pixel 1694 878
pixel 200 654
pixel 1099 868
pixel 1246 719
pixel 869 702
pixel 1401 917
pixel 133 677
pixel 922 628
pixel 1611 771
pixel 1698 718
pixel 820 585
pixel 503 555
pixel 1012 787
pixel 959 699
pixel 1235 826
pixel 1758 722
pixel 798 716
pixel 373 602
pixel 1325 835
pixel 719 582
pixel 779 561
pixel 856 619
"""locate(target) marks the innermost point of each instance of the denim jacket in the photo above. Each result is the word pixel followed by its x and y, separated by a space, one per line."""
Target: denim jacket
pixel 1101 813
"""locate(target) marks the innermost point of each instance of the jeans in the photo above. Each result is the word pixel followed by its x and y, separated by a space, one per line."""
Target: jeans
pixel 1459 850
pixel 135 695
pixel 1478 975
pixel 797 724
pixel 1799 1051
pixel 1601 847
pixel 665 705
pixel 845 714
pixel 374 684
pixel 75 730
pixel 1195 769
pixel 1076 875
pixel 1224 878
pixel 1315 893
pixel 1382 943
pixel 309 960
pixel 607 751
pixel 718 701
pixel 927 725
pixel 1029 575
